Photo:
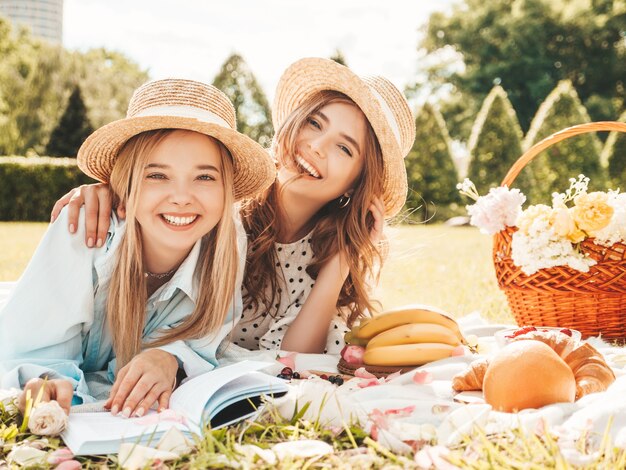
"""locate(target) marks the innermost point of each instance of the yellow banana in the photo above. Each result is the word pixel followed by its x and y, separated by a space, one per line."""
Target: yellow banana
pixel 349 338
pixel 415 333
pixel 407 354
pixel 403 316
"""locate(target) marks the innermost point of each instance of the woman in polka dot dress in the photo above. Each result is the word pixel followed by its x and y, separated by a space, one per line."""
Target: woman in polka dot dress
pixel 314 238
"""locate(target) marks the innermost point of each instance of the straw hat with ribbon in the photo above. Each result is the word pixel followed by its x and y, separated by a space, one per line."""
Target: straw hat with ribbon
pixel 180 104
pixel 382 103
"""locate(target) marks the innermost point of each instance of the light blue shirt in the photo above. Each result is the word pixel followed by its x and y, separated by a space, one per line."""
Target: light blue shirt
pixel 54 321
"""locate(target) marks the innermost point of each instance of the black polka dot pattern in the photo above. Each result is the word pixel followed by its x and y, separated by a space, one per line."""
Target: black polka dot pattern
pixel 265 330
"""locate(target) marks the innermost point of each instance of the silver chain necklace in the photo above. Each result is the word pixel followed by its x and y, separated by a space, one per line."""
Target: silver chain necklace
pixel 159 275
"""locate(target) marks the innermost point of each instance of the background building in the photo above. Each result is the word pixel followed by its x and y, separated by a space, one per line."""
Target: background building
pixel 43 17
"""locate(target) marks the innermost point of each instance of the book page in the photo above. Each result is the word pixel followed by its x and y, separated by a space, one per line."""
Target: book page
pixel 191 398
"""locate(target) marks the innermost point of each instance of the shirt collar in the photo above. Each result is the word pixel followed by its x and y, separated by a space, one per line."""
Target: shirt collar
pixel 184 278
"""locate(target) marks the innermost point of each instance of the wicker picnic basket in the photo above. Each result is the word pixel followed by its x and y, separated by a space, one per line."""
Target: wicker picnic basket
pixel 593 302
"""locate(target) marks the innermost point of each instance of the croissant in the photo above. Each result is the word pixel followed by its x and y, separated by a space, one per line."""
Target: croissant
pixel 590 370
pixel 561 343
pixel 471 378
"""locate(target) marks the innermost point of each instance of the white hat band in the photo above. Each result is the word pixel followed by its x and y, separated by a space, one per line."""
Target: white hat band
pixel 393 124
pixel 185 112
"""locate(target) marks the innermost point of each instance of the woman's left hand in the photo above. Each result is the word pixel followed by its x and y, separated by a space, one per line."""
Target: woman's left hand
pixel 377 209
pixel 146 379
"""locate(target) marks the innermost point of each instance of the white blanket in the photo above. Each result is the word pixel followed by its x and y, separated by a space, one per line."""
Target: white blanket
pixel 403 410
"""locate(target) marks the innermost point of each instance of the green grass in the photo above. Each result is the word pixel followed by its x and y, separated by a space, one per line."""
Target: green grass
pixel 437 265
pixel 18 241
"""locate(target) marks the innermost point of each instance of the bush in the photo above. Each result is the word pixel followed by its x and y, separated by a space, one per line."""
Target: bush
pixel 567 159
pixel 30 186
pixel 431 173
pixel 495 144
pixel 614 157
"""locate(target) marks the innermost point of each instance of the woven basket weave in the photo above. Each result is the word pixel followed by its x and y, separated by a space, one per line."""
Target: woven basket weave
pixel 593 302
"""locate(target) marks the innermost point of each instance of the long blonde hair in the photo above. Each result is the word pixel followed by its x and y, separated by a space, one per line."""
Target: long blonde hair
pixel 335 228
pixel 216 268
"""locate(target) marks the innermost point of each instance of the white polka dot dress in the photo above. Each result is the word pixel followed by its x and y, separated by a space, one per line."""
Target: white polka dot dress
pixel 266 331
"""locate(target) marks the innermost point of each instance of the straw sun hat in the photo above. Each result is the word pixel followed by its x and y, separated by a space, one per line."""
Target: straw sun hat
pixel 382 103
pixel 180 104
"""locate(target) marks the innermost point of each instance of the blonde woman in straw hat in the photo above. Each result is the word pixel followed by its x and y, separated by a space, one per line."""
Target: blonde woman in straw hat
pixel 163 289
pixel 314 236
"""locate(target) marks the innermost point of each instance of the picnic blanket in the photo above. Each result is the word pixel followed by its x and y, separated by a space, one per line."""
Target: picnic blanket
pixel 421 404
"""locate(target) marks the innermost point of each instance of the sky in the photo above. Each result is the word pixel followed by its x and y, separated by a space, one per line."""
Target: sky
pixel 192 38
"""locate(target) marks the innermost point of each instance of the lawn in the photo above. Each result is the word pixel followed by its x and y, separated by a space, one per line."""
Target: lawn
pixel 449 267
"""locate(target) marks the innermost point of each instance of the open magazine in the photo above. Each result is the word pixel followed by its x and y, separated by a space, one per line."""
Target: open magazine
pixel 217 398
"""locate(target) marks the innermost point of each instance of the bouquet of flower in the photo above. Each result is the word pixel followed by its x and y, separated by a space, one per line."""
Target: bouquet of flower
pixel 549 236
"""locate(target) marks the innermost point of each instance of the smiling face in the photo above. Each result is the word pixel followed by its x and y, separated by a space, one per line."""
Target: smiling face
pixel 328 153
pixel 181 195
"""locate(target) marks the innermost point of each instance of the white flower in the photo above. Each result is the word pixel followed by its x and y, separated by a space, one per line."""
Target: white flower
pixel 538 247
pixel 497 210
pixel 47 419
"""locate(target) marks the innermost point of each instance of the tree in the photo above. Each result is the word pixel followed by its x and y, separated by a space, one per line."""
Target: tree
pixel 72 130
pixel 36 80
pixel 33 84
pixel 495 143
pixel 569 158
pixel 107 81
pixel 253 112
pixel 431 173
pixel 528 46
pixel 614 157
pixel 339 57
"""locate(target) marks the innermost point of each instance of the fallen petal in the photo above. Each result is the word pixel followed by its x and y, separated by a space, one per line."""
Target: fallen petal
pixel 289 360
pixel 60 455
pixel 361 373
pixel 175 441
pixel 303 449
pixel 422 377
pixel 27 456
pixel 251 451
pixel 368 382
pixel 133 456
pixel 69 465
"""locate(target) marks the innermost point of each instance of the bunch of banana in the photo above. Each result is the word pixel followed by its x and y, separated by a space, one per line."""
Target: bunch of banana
pixel 408 336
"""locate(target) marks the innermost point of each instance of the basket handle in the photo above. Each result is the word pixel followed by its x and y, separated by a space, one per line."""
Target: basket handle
pixel 539 147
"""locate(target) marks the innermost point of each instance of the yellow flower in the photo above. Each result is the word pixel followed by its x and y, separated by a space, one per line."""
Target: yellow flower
pixel 526 218
pixel 592 211
pixel 563 224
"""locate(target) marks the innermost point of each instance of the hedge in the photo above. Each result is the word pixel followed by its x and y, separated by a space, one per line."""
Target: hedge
pixel 29 186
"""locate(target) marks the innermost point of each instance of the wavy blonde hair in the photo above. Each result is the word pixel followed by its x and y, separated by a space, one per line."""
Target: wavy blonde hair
pixel 334 228
pixel 216 268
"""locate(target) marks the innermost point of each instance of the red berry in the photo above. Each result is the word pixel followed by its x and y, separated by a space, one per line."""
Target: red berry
pixel 324 376
pixel 287 371
pixel 566 331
